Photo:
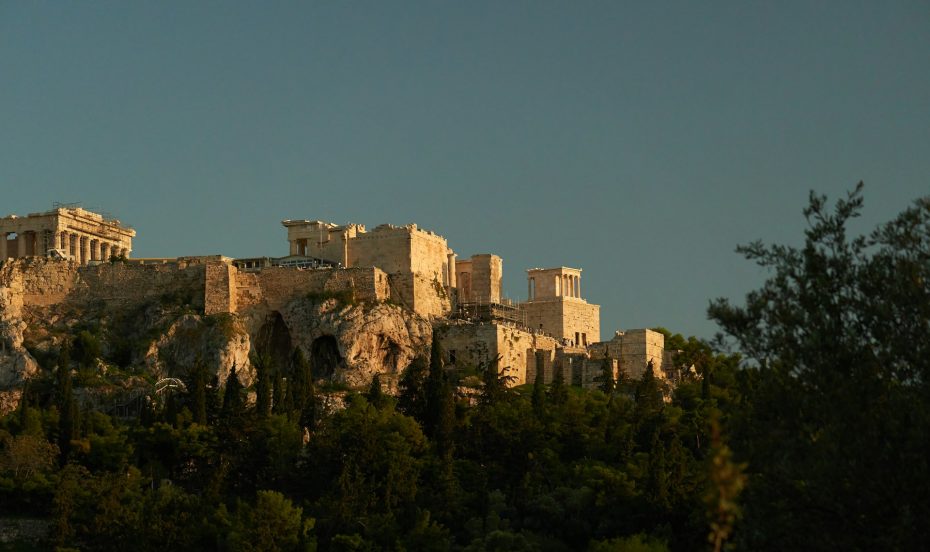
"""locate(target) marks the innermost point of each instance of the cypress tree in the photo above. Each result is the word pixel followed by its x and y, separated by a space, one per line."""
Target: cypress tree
pixel 558 392
pixel 232 396
pixel 607 383
pixel 199 393
pixel 375 394
pixel 539 394
pixel 300 395
pixel 263 367
pixel 439 417
pixel 66 404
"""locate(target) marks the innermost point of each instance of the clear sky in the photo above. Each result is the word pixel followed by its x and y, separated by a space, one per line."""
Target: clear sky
pixel 641 142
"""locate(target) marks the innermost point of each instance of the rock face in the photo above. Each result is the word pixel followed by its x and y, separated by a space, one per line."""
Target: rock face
pixel 152 320
pixel 352 343
pixel 219 342
pixel 16 364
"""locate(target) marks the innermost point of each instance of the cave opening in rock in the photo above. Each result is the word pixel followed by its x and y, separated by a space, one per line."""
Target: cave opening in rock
pixel 325 357
pixel 390 355
pixel 274 340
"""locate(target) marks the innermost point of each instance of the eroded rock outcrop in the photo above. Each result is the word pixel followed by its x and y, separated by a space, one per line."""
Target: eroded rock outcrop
pixel 16 364
pixel 352 343
pixel 219 342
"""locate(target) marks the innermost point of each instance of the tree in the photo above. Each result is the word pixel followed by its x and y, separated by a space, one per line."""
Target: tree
pixel 272 524
pixel 301 392
pixel 495 382
pixel 264 368
pixel 198 391
pixel 538 399
pixel 606 381
pixel 439 415
pixel 838 390
pixel 558 392
pixel 69 416
pixel 232 396
pixel 375 394
pixel 412 397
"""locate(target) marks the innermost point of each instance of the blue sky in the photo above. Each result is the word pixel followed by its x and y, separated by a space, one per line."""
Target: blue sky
pixel 640 142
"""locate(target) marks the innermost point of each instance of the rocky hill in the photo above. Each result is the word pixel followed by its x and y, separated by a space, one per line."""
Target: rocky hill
pixel 154 321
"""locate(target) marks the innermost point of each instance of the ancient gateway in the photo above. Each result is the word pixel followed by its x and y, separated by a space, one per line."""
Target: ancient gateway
pixel 358 302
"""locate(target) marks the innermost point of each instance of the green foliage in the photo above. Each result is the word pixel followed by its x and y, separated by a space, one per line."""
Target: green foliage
pixel 836 411
pixel 272 524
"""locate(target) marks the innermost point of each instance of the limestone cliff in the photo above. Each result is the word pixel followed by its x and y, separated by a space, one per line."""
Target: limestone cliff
pixel 16 364
pixel 151 322
pixel 352 343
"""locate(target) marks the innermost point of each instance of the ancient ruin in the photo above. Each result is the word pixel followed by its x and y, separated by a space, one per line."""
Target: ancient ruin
pixel 66 232
pixel 356 302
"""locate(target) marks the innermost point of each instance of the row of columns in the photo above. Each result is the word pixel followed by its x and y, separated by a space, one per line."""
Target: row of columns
pixel 81 247
pixel 88 248
pixel 571 286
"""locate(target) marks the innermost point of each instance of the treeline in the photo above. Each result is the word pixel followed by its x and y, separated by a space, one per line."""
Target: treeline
pixel 811 437
pixel 537 468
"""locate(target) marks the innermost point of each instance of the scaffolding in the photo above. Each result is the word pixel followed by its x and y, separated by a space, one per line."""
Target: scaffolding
pixel 503 311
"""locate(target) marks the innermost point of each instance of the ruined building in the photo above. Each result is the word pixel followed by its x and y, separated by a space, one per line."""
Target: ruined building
pixel 73 232
pixel 357 302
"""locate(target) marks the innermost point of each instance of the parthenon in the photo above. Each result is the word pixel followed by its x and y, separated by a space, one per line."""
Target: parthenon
pixel 75 232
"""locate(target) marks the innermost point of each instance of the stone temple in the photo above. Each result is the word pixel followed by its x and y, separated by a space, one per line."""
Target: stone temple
pixel 71 232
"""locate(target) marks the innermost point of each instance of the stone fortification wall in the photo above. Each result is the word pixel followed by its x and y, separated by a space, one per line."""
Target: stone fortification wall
pixel 521 353
pixel 126 284
pixel 44 282
pixel 272 288
pixel 387 247
pixel 634 349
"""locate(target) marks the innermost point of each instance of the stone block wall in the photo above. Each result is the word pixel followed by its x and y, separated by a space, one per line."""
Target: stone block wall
pixel 219 288
pixel 564 318
pixel 521 353
pixel 272 288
